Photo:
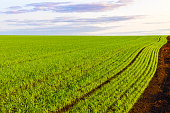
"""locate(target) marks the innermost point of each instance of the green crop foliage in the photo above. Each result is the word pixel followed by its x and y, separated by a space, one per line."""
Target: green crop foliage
pixel 78 73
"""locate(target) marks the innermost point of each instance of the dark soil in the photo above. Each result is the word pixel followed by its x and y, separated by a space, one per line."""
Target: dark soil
pixel 156 97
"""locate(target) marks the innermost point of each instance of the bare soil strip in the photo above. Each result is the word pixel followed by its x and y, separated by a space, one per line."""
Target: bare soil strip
pixel 156 97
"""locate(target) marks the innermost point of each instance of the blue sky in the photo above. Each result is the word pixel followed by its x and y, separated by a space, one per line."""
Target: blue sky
pixel 85 17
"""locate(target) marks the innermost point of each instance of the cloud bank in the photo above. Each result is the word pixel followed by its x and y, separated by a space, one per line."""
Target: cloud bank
pixel 70 20
pixel 65 7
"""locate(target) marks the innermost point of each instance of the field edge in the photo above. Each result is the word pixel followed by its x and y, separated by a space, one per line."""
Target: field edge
pixel 156 96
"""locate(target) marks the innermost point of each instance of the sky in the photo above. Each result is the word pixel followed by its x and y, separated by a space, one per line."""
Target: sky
pixel 85 17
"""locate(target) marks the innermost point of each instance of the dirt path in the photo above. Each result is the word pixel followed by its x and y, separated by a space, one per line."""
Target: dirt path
pixel 156 97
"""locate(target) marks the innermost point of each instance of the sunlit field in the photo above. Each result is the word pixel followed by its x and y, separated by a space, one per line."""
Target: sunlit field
pixel 75 73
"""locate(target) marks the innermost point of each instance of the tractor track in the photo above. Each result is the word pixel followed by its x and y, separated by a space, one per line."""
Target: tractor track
pixel 126 91
pixel 69 106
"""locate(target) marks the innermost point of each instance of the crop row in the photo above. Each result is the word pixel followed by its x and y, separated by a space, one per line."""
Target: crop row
pixel 120 94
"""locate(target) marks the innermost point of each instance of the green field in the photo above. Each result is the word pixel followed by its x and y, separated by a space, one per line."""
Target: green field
pixel 75 73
